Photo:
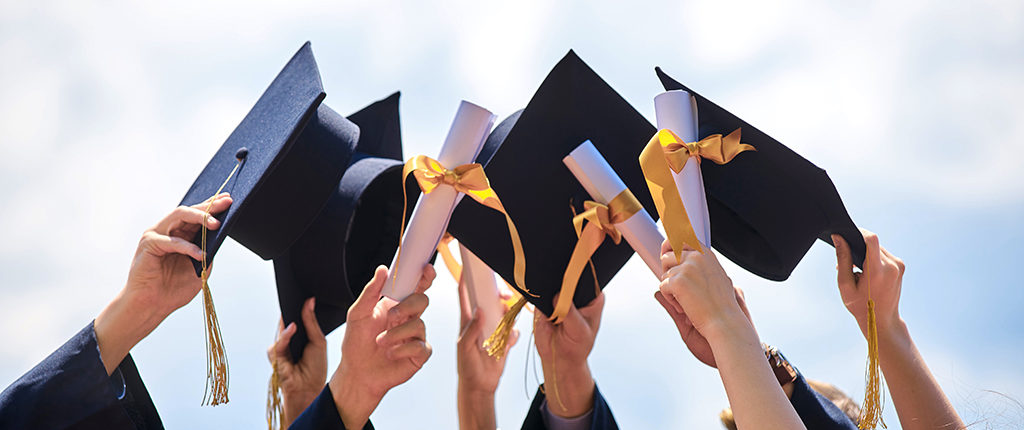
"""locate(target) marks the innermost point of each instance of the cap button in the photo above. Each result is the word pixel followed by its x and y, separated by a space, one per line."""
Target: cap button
pixel 241 153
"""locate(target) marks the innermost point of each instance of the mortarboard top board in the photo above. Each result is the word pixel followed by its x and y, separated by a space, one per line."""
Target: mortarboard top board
pixel 572 105
pixel 767 206
pixel 355 232
pixel 294 150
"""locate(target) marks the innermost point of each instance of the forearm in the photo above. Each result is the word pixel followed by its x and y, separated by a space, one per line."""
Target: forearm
pixel 122 325
pixel 756 398
pixel 918 398
pixel 569 389
pixel 476 410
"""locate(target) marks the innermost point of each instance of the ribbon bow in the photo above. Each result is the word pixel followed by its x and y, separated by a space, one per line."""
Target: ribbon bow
pixel 470 180
pixel 600 222
pixel 666 153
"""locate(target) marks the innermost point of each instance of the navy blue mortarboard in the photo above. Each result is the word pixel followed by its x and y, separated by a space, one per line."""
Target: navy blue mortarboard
pixel 290 151
pixel 768 206
pixel 355 232
pixel 572 105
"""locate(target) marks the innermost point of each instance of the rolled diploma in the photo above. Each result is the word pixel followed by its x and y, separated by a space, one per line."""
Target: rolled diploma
pixel 482 290
pixel 677 111
pixel 603 184
pixel 430 217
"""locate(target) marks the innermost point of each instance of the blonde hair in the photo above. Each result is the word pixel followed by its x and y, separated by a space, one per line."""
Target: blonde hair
pixel 829 391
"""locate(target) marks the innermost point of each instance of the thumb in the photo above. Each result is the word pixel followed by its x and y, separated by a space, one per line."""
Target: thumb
pixel 474 329
pixel 844 265
pixel 371 294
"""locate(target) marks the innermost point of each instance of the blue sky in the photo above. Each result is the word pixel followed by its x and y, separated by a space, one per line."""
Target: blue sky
pixel 108 113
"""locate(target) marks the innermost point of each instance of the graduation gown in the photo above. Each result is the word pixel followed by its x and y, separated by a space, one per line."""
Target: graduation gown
pixel 601 414
pixel 817 411
pixel 322 414
pixel 70 389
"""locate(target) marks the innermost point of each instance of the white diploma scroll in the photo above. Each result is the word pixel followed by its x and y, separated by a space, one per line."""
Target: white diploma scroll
pixel 603 184
pixel 482 290
pixel 676 110
pixel 430 217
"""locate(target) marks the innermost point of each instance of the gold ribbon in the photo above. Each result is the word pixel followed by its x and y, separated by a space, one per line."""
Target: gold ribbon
pixel 666 153
pixel 449 259
pixel 470 180
pixel 600 222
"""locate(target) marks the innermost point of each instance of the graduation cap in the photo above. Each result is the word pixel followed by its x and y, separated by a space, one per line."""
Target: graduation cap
pixel 355 232
pixel 280 165
pixel 767 206
pixel 572 105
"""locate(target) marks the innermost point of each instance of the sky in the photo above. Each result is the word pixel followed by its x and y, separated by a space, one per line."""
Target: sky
pixel 109 111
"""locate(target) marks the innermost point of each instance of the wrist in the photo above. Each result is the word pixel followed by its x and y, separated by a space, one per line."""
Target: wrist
pixel 354 400
pixel 729 328
pixel 476 409
pixel 574 387
pixel 122 324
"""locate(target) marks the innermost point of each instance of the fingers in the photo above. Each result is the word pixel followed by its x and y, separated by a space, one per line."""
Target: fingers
pixel 161 245
pixel 413 329
pixel 313 332
pixel 220 204
pixel 844 264
pixel 873 257
pixel 426 279
pixel 668 261
pixel 363 307
pixel 409 308
pixel 183 215
pixel 418 352
pixel 592 312
pixel 665 303
pixel 741 299
pixel 472 331
pixel 280 348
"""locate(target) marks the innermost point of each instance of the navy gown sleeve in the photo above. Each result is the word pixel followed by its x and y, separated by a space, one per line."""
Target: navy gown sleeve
pixel 817 411
pixel 70 389
pixel 602 414
pixel 322 414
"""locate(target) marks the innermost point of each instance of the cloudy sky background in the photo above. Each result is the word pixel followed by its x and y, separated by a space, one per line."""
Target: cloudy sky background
pixel 107 113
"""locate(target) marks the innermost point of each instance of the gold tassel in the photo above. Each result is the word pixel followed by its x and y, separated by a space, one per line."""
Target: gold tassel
pixel 871 409
pixel 275 408
pixel 216 357
pixel 216 391
pixel 495 344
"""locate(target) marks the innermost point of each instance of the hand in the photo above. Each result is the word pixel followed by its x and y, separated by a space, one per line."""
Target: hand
pixel 697 343
pixel 384 345
pixel 161 280
pixel 300 382
pixel 698 287
pixel 883 277
pixel 563 351
pixel 479 373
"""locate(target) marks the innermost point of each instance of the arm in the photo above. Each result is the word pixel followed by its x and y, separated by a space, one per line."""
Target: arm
pixel 479 373
pixel 384 345
pixel 919 400
pixel 161 280
pixel 563 350
pixel 300 381
pixel 698 287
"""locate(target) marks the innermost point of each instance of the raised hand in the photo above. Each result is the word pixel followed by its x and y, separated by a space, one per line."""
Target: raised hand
pixel 479 373
pixel 300 381
pixel 563 350
pixel 385 344
pixel 161 280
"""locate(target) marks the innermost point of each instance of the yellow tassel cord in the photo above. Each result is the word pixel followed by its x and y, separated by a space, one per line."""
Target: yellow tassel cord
pixel 871 409
pixel 216 357
pixel 554 378
pixel 275 407
pixel 495 344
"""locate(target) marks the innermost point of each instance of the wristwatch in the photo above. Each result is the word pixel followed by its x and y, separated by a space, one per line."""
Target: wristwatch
pixel 784 371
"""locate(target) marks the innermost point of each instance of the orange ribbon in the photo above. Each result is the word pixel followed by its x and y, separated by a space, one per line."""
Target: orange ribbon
pixel 666 153
pixel 600 222
pixel 470 180
pixel 449 259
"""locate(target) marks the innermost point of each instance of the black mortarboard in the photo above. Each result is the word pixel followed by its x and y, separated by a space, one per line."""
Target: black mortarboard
pixel 293 151
pixel 573 104
pixel 354 233
pixel 767 206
